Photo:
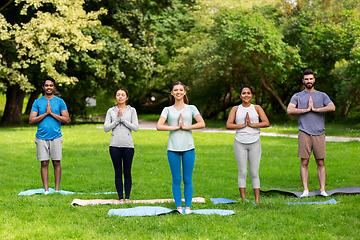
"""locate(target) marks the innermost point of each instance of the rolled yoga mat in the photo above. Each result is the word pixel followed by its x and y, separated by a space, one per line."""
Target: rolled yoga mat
pixel 84 202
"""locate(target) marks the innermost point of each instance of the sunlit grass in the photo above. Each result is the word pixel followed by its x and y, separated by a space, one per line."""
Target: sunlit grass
pixel 149 117
pixel 331 129
pixel 87 168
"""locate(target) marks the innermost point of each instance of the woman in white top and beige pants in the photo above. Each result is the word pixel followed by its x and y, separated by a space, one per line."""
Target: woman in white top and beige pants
pixel 247 146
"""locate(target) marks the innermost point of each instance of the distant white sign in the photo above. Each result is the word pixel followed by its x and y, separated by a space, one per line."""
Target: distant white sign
pixel 90 102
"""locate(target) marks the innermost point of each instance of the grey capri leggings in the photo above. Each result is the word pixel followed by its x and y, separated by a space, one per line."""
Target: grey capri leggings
pixel 244 152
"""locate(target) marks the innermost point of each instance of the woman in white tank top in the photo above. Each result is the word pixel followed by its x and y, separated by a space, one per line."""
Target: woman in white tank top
pixel 248 119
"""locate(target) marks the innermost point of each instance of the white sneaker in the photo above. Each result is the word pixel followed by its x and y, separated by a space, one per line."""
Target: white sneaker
pixel 187 211
pixel 46 192
pixel 305 193
pixel 323 193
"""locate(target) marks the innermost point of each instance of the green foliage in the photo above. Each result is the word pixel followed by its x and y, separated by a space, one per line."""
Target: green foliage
pixel 50 28
pixel 104 101
pixel 126 60
pixel 149 117
pixel 244 48
pixel 103 55
pixel 87 168
pixel 325 33
pixel 172 29
pixel 214 47
pixel 344 129
pixel 35 37
pixel 347 73
pixel 265 45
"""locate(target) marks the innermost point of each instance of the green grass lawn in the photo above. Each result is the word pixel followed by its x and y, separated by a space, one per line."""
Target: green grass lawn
pixel 291 127
pixel 87 168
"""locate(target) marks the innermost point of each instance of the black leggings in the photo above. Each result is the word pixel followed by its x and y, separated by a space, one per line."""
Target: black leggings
pixel 117 155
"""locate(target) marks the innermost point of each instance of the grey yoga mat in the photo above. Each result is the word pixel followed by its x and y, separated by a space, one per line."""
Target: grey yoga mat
pixel 345 190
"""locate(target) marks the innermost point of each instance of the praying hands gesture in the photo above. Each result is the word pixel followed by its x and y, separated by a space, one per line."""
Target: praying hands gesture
pixel 48 108
pixel 264 121
pixel 247 120
pixel 63 117
pixel 328 108
pixel 199 124
pixel 181 122
pixel 311 105
pixel 292 109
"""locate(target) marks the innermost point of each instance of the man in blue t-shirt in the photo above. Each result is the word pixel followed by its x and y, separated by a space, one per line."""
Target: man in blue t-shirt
pixel 49 112
pixel 311 105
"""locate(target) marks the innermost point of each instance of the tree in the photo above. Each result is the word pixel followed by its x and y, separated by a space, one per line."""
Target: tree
pixel 117 64
pixel 170 28
pixel 326 33
pixel 268 47
pixel 126 60
pixel 248 49
pixel 39 37
pixel 348 75
pixel 179 31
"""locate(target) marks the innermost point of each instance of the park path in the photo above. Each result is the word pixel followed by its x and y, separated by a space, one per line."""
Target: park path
pixel 151 125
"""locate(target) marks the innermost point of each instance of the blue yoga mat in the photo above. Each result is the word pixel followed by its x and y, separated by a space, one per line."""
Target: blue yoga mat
pixel 154 211
pixel 222 200
pixel 51 191
pixel 331 201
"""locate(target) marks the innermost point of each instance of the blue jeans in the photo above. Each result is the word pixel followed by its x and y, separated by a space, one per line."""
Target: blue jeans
pixel 187 158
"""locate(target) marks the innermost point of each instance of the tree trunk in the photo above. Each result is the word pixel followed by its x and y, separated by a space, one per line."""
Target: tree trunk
pixel 263 81
pixel 13 107
pixel 6 4
pixel 33 96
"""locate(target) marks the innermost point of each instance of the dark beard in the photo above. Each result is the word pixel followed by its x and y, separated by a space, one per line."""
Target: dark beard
pixel 309 86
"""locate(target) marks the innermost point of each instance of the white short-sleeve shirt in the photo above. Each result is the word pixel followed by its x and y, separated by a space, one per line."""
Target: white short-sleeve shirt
pixel 180 140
